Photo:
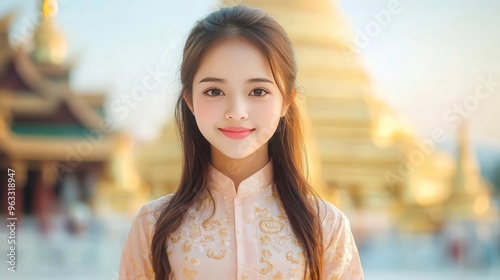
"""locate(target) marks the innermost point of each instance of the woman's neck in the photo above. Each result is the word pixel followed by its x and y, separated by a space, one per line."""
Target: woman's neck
pixel 240 169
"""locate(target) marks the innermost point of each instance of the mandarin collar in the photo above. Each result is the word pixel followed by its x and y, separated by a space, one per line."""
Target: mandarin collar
pixel 248 187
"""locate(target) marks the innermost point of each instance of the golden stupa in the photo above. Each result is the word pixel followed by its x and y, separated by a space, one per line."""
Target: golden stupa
pixel 470 196
pixel 159 162
pixel 338 106
pixel 443 189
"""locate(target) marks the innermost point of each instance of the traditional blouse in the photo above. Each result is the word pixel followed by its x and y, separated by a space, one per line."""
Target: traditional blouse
pixel 249 236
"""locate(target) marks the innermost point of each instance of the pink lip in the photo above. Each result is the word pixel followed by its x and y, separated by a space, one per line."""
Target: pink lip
pixel 236 129
pixel 236 133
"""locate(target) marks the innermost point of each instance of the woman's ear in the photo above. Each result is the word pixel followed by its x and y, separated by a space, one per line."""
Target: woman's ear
pixel 285 108
pixel 190 106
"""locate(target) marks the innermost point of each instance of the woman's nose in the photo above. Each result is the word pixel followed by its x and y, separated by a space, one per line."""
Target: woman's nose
pixel 236 109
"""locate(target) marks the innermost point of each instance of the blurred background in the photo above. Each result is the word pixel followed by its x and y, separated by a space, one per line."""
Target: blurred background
pixel 400 102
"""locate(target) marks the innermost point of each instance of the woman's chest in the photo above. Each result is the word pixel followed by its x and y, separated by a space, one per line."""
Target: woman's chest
pixel 244 239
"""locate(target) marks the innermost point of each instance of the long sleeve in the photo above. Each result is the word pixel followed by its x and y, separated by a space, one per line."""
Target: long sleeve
pixel 341 259
pixel 135 262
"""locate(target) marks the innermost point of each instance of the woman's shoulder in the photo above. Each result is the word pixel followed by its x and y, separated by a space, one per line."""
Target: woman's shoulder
pixel 326 208
pixel 154 207
pixel 332 218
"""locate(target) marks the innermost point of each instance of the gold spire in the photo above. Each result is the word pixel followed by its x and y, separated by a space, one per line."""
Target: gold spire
pixel 470 196
pixel 467 177
pixel 50 44
pixel 49 8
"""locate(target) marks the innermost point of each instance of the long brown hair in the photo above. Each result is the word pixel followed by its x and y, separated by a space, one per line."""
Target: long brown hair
pixel 285 147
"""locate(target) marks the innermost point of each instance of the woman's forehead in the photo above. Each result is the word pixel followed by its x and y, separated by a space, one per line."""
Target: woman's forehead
pixel 234 58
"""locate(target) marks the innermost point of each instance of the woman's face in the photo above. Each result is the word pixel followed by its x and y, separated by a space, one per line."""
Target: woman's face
pixel 234 87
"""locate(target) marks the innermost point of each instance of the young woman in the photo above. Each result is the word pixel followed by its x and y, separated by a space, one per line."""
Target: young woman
pixel 243 208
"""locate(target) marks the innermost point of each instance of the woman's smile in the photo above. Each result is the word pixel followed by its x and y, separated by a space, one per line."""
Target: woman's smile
pixel 237 135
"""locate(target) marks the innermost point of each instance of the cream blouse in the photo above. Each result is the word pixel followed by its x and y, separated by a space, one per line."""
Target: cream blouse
pixel 249 236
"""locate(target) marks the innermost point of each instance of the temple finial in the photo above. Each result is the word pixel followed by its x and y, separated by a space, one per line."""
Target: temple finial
pixel 50 46
pixel 49 8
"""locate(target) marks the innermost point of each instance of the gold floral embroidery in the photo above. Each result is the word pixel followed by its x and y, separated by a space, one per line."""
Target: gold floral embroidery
pixel 275 232
pixel 188 262
pixel 282 240
pixel 264 256
pixel 203 200
pixel 265 239
pixel 278 276
pixel 186 246
pixel 194 231
pixel 229 217
pixel 275 193
pixel 224 232
pixel 207 235
pixel 190 216
pixel 271 226
pixel 189 274
pixel 175 239
pixel 282 216
pixel 210 224
pixel 211 254
pixel 209 238
pixel 297 260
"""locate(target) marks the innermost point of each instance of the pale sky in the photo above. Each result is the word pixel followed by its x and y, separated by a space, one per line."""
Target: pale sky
pixel 425 59
pixel 430 56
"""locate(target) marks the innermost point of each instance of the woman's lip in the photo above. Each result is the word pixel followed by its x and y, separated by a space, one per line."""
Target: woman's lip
pixel 237 135
pixel 235 131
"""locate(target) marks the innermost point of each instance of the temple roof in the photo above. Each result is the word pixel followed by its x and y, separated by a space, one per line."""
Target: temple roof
pixel 42 117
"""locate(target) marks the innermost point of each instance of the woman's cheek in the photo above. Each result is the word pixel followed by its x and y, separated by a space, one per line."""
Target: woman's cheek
pixel 206 109
pixel 271 117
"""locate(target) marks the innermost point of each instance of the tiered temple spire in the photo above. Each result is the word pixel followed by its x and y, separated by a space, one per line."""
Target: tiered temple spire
pixel 50 45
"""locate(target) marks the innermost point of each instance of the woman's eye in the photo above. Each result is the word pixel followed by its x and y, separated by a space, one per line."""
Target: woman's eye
pixel 259 92
pixel 213 92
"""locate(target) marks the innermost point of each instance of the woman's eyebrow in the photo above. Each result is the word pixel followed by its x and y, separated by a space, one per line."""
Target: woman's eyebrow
pixel 259 80
pixel 212 79
pixel 219 80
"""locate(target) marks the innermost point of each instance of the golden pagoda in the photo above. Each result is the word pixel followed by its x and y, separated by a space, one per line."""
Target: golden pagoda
pixel 159 162
pixel 428 185
pixel 470 198
pixel 339 107
pixel 443 189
